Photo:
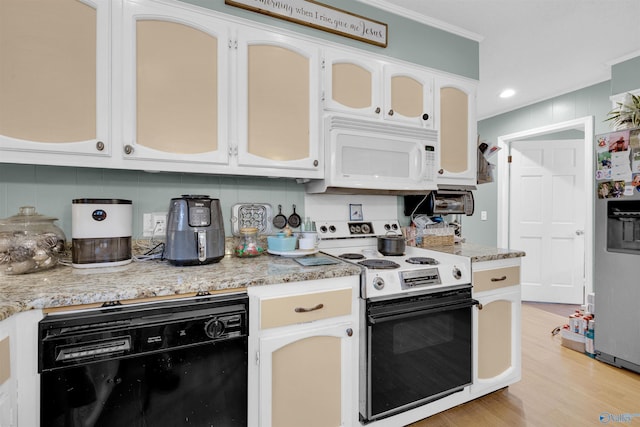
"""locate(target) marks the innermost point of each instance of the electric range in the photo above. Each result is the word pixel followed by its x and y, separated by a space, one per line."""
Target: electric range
pixel 417 270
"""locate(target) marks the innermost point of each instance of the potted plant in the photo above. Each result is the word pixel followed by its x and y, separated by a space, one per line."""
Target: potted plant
pixel 626 114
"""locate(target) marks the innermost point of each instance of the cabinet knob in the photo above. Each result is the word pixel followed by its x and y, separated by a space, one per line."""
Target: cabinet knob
pixel 128 149
pixel 349 332
pixel 425 117
pixel 390 112
pixel 99 145
pixel 315 163
pixel 378 110
pixel 440 171
pixel 479 306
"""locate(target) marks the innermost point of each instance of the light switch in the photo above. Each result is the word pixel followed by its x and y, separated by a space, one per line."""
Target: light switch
pixel 483 215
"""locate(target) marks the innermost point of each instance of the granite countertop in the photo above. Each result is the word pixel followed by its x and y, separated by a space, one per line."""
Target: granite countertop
pixel 67 286
pixel 479 253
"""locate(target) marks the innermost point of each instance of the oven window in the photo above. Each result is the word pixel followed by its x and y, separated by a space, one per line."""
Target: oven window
pixel 196 386
pixel 408 337
pixel 417 359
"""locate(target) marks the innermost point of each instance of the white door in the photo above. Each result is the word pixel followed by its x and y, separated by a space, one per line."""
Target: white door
pixel 547 217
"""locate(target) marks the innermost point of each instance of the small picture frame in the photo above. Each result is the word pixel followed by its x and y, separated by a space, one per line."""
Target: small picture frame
pixel 355 212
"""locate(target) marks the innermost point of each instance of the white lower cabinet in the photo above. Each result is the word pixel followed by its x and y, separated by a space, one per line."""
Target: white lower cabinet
pixel 19 379
pixel 303 354
pixel 497 325
pixel 8 382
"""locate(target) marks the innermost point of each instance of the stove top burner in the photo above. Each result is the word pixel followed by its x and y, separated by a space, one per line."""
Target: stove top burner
pixel 351 256
pixel 379 264
pixel 422 260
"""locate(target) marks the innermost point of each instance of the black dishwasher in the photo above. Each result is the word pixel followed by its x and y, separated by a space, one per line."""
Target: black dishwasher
pixel 177 363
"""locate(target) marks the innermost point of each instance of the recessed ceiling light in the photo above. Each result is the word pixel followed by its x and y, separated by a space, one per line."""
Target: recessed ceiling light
pixel 507 93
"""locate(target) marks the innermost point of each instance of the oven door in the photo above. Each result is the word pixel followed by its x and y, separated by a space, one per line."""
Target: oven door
pixel 418 349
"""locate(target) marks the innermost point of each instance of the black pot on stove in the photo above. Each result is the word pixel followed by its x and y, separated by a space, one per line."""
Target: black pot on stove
pixel 391 244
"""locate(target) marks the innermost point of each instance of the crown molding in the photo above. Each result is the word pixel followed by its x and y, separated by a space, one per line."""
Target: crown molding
pixel 423 19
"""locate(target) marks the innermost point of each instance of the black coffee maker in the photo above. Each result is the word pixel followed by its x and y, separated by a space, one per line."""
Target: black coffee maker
pixel 195 231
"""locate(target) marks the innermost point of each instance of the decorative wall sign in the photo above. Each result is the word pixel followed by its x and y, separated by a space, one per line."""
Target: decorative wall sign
pixel 319 16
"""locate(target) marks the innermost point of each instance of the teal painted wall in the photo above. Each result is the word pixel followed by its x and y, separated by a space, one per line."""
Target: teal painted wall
pixel 407 39
pixel 51 189
pixel 590 101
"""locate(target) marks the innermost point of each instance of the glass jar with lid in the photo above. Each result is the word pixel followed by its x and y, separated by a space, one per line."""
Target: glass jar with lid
pixel 248 245
pixel 30 242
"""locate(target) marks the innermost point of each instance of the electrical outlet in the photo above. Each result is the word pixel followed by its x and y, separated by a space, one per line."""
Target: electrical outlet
pixel 160 224
pixel 147 225
pixel 154 224
pixel 483 215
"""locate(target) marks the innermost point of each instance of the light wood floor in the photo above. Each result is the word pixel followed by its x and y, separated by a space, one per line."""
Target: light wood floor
pixel 559 387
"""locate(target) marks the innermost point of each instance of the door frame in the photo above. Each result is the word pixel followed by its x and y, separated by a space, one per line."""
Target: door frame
pixel 585 124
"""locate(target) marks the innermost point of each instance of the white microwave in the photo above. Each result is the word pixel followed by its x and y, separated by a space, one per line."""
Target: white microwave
pixel 363 156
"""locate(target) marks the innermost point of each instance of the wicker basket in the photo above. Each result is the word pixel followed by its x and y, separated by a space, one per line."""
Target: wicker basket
pixel 429 240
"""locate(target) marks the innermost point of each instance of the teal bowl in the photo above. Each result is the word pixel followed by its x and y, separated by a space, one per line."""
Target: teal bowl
pixel 281 243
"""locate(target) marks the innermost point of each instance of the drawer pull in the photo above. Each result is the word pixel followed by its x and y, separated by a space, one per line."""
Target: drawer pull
pixel 498 279
pixel 306 310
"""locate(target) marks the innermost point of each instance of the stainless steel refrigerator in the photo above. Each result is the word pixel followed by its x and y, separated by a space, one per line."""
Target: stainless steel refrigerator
pixel 617 249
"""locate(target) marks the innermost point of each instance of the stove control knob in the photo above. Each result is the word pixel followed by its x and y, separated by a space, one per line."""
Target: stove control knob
pixel 366 229
pixel 457 273
pixel 378 283
pixel 387 227
pixel 332 228
pixel 323 229
pixel 394 226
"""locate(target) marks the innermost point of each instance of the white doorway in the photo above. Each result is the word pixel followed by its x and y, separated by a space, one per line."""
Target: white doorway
pixel 546 215
pixel 556 232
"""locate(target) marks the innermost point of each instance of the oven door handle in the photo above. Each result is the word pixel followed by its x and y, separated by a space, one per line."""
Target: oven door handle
pixel 435 308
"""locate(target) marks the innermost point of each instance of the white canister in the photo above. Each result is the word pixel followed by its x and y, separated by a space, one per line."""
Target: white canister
pixel 308 240
pixel 101 231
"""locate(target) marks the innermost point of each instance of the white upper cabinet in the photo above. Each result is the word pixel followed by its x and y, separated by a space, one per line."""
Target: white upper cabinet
pixel 55 81
pixel 168 86
pixel 370 87
pixel 352 83
pixel 277 105
pixel 456 120
pixel 175 88
pixel 408 95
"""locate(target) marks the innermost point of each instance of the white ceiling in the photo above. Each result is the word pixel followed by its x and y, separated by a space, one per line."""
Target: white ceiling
pixel 540 48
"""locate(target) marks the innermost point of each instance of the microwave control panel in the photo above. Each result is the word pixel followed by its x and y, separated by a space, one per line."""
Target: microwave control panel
pixel 429 163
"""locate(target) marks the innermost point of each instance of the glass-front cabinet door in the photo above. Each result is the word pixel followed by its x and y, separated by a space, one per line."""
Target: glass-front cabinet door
pixel 55 80
pixel 352 84
pixel 174 88
pixel 277 104
pixel 456 118
pixel 408 96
